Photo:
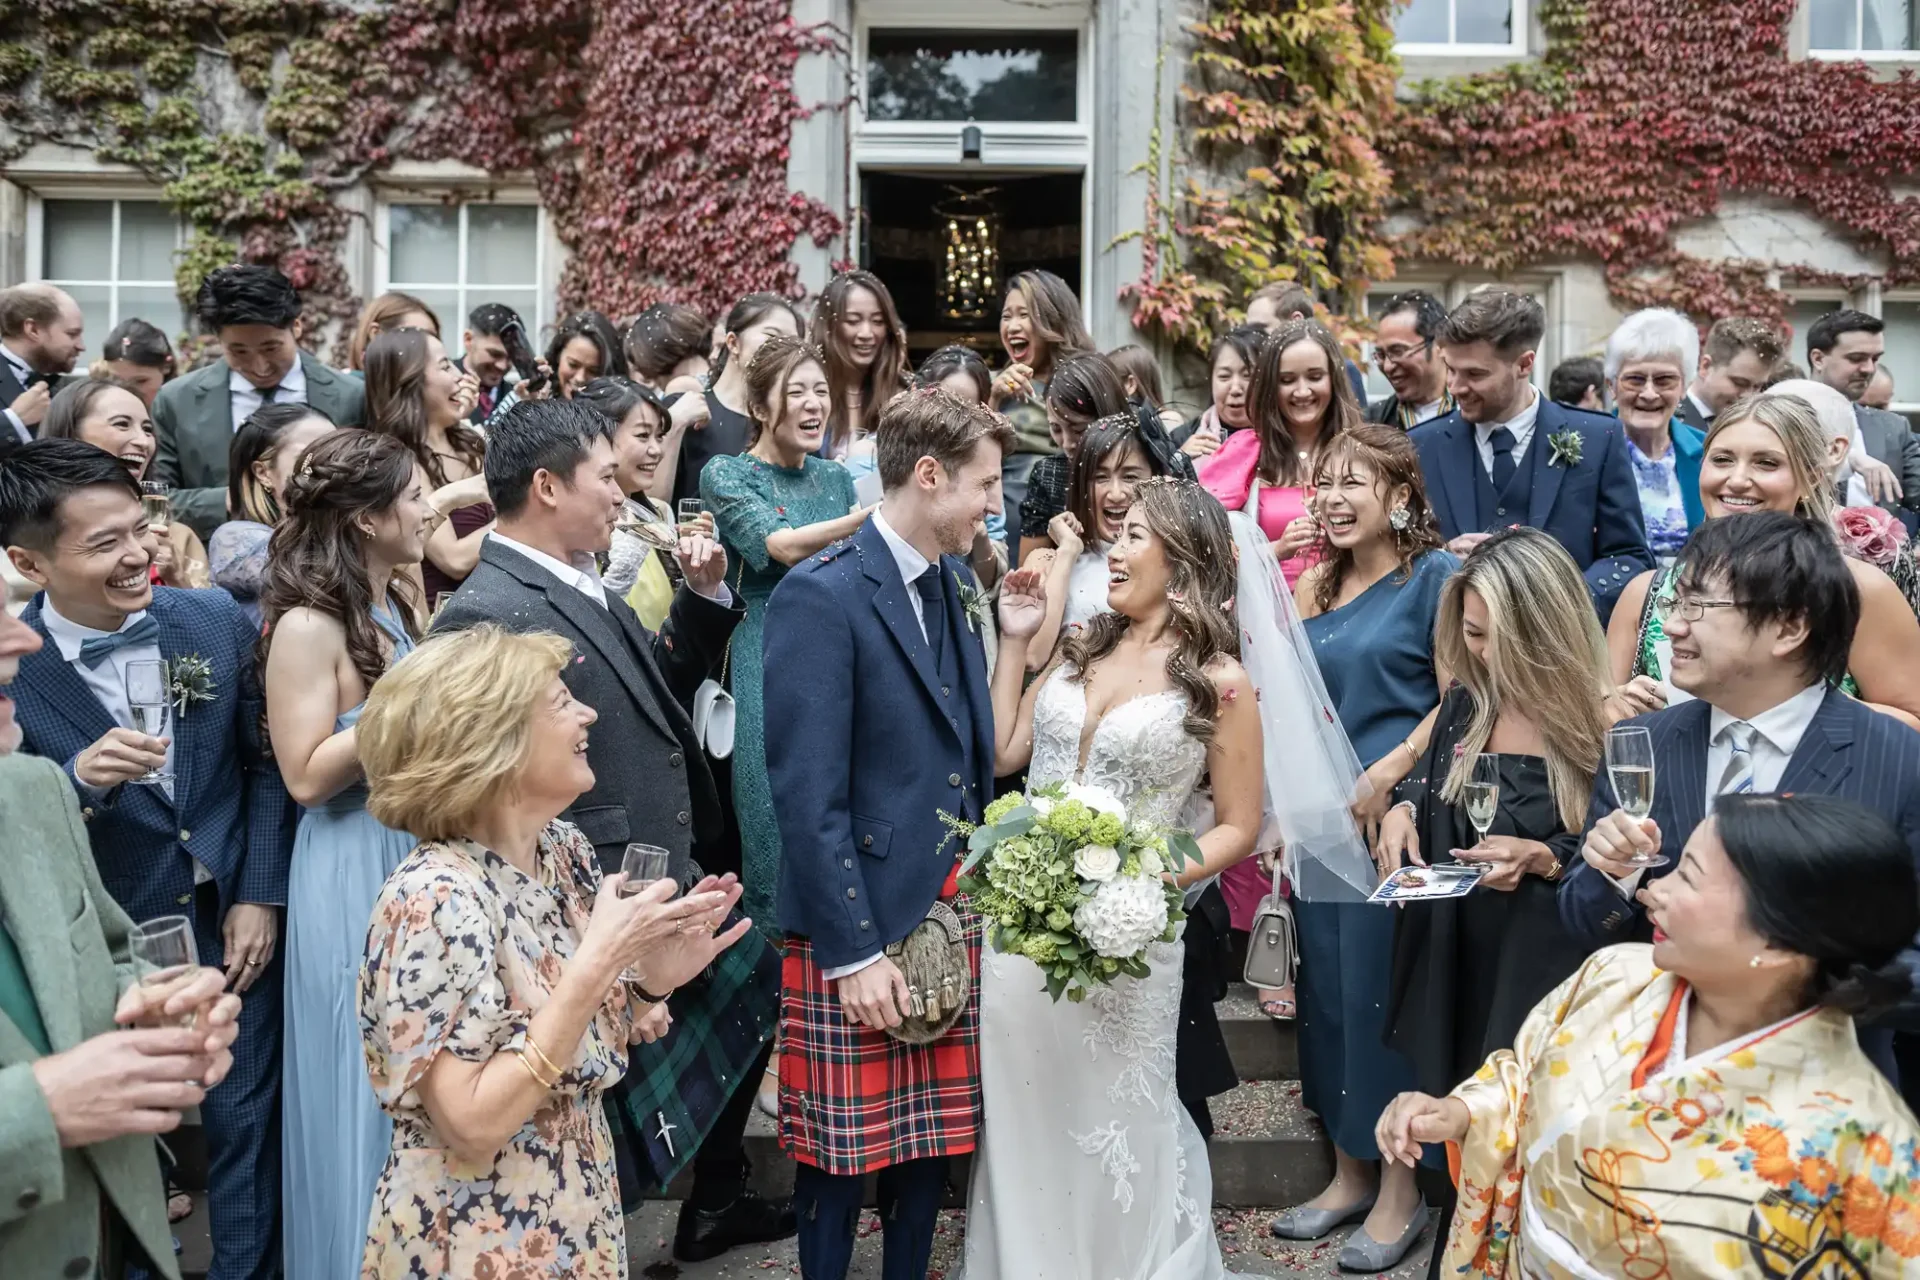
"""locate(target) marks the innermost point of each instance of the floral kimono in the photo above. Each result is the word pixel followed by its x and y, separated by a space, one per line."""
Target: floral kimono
pixel 1599 1148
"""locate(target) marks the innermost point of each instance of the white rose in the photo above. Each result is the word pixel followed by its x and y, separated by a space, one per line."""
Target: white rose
pixel 1151 863
pixel 1098 799
pixel 1041 805
pixel 1096 862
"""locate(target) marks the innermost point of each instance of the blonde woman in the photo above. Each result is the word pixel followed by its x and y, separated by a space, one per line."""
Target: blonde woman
pixel 1770 453
pixel 1518 632
pixel 503 979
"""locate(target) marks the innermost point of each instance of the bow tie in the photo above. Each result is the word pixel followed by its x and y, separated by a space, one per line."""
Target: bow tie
pixel 98 649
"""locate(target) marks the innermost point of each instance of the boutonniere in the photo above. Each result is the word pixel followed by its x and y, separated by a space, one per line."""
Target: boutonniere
pixel 973 602
pixel 189 683
pixel 1565 448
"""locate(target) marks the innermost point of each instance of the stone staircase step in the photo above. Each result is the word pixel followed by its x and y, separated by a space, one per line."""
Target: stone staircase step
pixel 1261 1048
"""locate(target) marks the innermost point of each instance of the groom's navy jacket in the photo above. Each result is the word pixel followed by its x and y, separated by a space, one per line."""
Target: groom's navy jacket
pixel 870 738
pixel 1590 505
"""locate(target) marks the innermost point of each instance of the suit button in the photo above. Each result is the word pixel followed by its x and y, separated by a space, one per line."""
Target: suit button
pixel 953 779
pixel 28 1200
pixel 866 842
pixel 847 863
pixel 673 761
pixel 683 817
pixel 853 893
pixel 77 1267
pixel 185 835
pixel 86 815
pixel 866 924
pixel 1501 511
pixel 945 692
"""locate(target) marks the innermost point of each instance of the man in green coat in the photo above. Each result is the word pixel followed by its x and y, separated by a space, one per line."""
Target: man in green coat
pixel 80 1100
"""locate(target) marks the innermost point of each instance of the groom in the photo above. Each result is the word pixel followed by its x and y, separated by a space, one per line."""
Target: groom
pixel 878 722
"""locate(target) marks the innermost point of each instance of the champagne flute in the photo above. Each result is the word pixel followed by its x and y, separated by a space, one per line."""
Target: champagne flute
pixel 1482 792
pixel 1630 769
pixel 643 864
pixel 146 688
pixel 164 961
pixel 156 505
pixel 692 515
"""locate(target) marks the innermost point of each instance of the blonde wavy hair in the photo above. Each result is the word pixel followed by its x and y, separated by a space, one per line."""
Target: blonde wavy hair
pixel 449 726
pixel 1546 657
pixel 1802 437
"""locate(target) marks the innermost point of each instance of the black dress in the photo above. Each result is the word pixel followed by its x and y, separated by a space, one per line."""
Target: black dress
pixel 726 432
pixel 1467 971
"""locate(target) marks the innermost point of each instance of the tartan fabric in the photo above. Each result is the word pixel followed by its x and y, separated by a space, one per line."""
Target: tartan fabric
pixel 721 1022
pixel 853 1099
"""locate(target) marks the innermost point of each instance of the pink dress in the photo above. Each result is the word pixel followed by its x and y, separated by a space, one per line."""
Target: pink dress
pixel 1227 474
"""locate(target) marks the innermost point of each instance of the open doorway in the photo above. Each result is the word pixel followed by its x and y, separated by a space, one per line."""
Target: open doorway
pixel 945 245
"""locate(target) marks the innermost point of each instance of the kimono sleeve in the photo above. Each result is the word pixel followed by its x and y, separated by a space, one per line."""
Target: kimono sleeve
pixel 432 982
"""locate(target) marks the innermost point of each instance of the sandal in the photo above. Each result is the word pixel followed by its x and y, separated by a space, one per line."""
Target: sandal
pixel 1280 1006
pixel 179 1206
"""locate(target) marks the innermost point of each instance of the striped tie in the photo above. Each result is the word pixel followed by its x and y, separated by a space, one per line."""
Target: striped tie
pixel 1737 778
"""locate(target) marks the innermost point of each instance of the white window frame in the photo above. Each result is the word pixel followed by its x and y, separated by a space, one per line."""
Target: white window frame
pixel 1873 300
pixel 543 280
pixel 1852 55
pixel 116 194
pixel 1835 298
pixel 1516 47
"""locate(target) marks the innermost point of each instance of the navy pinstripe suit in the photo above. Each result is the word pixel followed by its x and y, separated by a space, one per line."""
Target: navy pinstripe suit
pixel 1850 750
pixel 229 811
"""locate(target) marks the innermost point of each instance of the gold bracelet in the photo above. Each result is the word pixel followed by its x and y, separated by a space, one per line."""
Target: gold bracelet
pixel 534 1071
pixel 1411 753
pixel 545 1061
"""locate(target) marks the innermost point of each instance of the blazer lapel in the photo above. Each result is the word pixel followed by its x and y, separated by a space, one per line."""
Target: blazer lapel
pixel 1684 774
pixel 890 602
pixel 215 403
pixel 176 642
pixel 53 676
pixel 1822 757
pixel 321 386
pixel 1546 474
pixel 1458 458
pixel 973 673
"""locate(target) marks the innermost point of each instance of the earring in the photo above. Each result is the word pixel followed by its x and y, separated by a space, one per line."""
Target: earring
pixel 1400 519
pixel 366 532
pixel 1754 963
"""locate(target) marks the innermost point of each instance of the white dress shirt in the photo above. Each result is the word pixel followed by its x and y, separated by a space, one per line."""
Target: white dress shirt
pixel 1521 425
pixel 1776 736
pixel 108 683
pixel 911 565
pixel 244 397
pixel 21 372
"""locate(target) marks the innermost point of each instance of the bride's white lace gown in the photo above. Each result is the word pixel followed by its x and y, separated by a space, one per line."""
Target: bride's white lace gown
pixel 1089 1167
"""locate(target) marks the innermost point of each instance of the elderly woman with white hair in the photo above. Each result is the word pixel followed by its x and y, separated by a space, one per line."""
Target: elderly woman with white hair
pixel 1651 358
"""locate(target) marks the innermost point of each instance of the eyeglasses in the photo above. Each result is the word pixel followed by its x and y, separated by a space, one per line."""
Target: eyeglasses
pixel 1395 354
pixel 1690 609
pixel 1664 383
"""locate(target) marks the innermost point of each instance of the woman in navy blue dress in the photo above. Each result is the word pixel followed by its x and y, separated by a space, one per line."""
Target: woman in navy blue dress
pixel 1369 609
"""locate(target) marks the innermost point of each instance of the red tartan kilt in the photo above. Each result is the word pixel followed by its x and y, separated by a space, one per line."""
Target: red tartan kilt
pixel 853 1099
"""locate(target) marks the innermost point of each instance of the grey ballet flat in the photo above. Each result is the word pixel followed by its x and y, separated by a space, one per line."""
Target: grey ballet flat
pixel 1363 1253
pixel 1302 1223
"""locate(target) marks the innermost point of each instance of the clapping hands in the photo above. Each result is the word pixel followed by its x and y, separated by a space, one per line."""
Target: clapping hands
pixel 1023 604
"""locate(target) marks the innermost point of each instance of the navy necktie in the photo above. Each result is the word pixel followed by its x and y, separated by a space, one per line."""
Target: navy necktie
pixel 1503 464
pixel 99 648
pixel 934 609
pixel 268 393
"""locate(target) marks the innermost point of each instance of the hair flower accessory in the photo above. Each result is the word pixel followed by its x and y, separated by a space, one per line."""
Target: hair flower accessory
pixel 1564 448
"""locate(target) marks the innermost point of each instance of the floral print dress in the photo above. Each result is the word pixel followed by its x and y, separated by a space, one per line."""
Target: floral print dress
pixel 463 949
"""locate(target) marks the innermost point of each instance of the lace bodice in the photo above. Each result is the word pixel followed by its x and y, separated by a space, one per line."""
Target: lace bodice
pixel 1140 752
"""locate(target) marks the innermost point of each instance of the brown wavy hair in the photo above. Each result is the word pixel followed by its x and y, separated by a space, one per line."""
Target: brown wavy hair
pixel 880 381
pixel 1191 526
pixel 380 316
pixel 315 558
pixel 1387 453
pixel 397 402
pixel 1279 460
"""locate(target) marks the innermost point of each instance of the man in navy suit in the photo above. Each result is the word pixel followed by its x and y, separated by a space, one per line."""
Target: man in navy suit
pixel 879 720
pixel 1509 456
pixel 212 839
pixel 1761 629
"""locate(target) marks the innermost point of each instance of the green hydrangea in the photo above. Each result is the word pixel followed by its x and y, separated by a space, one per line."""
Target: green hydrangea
pixel 1060 919
pixel 1107 829
pixel 1071 820
pixel 1005 805
pixel 1039 948
pixel 1109 966
pixel 1130 865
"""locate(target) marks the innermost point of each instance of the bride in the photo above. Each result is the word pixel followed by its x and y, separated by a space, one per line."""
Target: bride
pixel 1088 1164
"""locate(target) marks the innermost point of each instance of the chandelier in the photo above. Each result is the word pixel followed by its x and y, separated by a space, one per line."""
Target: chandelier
pixel 970 270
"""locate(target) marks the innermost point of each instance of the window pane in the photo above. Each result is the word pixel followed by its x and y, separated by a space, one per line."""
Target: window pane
pixel 502 241
pixel 97 311
pixel 446 309
pixel 934 75
pixel 1801 316
pixel 1903 349
pixel 1422 22
pixel 1830 24
pixel 423 244
pixel 1886 24
pixel 149 234
pixel 79 240
pixel 1483 21
pixel 1378 388
pixel 525 304
pixel 156 304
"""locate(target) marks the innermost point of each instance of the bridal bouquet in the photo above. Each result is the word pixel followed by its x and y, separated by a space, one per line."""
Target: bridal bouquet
pixel 1068 882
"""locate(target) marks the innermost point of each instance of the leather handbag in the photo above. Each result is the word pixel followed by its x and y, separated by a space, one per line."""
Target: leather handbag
pixel 933 960
pixel 1273 943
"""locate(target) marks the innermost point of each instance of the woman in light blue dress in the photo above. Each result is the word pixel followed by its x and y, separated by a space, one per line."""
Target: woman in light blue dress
pixel 337 618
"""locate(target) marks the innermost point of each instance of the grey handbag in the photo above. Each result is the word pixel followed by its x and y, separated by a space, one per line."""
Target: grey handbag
pixel 1273 944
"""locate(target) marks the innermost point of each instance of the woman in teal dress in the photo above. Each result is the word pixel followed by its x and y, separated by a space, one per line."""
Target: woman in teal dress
pixel 773 506
pixel 1369 607
pixel 339 613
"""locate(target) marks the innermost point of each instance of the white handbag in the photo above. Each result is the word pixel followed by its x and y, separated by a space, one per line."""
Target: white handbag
pixel 713 719
pixel 1273 944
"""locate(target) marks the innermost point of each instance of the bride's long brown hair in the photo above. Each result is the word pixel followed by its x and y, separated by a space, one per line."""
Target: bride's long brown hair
pixel 1191 527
